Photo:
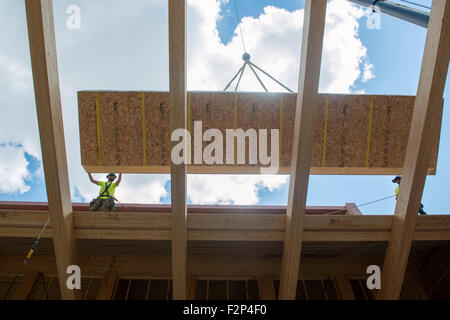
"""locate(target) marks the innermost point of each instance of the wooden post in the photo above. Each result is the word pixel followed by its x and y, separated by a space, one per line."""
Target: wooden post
pixel 27 286
pixel 41 34
pixel 107 286
pixel 266 288
pixel 344 287
pixel 352 209
pixel 191 286
pixel 427 106
pixel 308 84
pixel 177 105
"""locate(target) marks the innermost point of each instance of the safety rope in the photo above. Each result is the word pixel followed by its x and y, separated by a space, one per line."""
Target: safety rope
pixel 361 205
pixel 35 243
pixel 116 216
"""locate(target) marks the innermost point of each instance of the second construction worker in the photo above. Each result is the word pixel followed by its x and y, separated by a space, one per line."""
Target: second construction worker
pixel 397 180
pixel 105 199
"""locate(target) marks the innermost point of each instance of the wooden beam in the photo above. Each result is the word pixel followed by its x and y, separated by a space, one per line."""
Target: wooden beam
pixel 41 34
pixel 191 286
pixel 107 286
pixel 430 90
pixel 177 105
pixel 308 84
pixel 27 286
pixel 222 227
pixel 249 170
pixel 352 209
pixel 203 267
pixel 210 235
pixel 7 206
pixel 344 287
pixel 266 287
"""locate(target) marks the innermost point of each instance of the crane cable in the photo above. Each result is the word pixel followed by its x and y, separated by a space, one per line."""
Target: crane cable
pixel 239 24
pixel 252 66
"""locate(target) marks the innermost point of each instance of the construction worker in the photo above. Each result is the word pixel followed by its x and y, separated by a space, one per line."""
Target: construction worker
pixel 105 199
pixel 397 180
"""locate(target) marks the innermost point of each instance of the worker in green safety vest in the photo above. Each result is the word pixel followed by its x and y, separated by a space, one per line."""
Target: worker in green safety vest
pixel 397 180
pixel 105 199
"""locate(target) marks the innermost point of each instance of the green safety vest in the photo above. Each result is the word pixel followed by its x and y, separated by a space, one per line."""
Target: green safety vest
pixel 107 189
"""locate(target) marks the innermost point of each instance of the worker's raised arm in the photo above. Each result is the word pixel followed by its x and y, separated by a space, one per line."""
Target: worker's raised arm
pixel 118 180
pixel 92 179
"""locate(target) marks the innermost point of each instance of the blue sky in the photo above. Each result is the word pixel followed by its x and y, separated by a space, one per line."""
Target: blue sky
pixel 395 51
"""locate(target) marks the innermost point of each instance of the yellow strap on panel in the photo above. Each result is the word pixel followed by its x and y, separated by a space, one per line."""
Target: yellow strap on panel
pixel 235 127
pixel 324 152
pixel 369 131
pixel 281 128
pixel 98 131
pixel 144 131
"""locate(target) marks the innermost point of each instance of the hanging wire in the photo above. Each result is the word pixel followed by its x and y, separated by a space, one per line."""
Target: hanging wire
pixel 257 77
pixel 416 4
pixel 239 24
pixel 252 66
pixel 240 77
pixel 239 72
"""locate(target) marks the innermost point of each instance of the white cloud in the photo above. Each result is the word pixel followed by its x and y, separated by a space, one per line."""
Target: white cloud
pixel 13 170
pixel 17 74
pixel 141 189
pixel 18 121
pixel 230 189
pixel 123 47
pixel 368 73
pixel 133 188
pixel 273 40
